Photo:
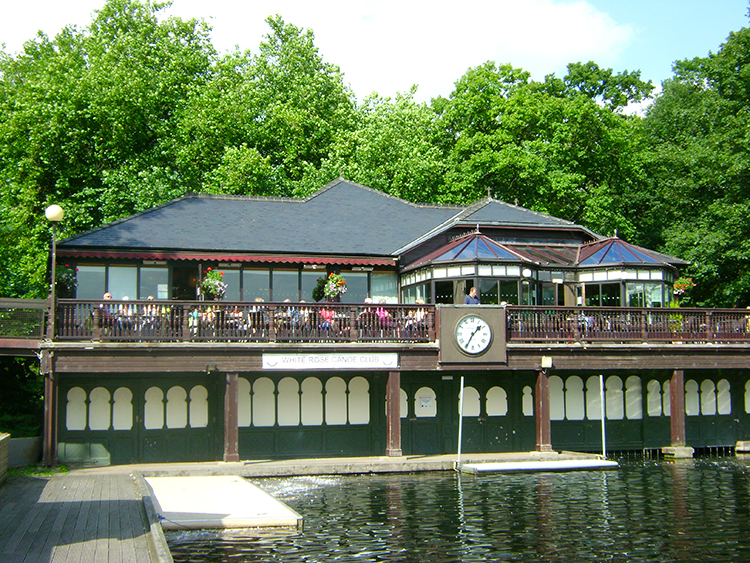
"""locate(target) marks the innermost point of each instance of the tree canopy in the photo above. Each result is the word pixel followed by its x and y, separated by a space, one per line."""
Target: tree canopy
pixel 137 109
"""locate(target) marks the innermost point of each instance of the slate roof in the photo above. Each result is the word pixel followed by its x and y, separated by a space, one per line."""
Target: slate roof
pixel 342 218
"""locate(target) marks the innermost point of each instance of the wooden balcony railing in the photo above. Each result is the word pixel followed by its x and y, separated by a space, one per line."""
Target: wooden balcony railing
pixel 23 318
pixel 214 321
pixel 590 324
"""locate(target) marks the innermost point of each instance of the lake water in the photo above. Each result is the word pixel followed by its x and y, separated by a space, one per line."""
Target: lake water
pixel 647 510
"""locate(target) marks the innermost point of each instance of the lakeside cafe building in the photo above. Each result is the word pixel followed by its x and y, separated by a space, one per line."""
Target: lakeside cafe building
pixel 164 371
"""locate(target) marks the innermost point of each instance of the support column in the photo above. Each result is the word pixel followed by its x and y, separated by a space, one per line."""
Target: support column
pixel 677 408
pixel 393 414
pixel 677 448
pixel 49 441
pixel 543 427
pixel 231 418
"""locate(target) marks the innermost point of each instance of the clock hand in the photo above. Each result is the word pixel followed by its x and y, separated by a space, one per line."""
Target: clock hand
pixel 472 335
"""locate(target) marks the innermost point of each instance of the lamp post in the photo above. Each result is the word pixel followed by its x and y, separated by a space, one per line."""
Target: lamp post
pixel 54 214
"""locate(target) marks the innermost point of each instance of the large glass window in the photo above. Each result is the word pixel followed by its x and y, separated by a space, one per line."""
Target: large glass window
pixel 488 292
pixel 91 281
pixel 309 281
pixel 285 285
pixel 610 294
pixel 645 294
pixel 549 294
pixel 356 287
pixel 123 281
pixel 509 291
pixel 256 283
pixel 232 279
pixel 444 292
pixel 593 295
pixel 384 285
pixel 154 282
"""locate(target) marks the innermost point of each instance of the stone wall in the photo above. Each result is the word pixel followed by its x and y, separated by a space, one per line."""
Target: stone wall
pixel 4 441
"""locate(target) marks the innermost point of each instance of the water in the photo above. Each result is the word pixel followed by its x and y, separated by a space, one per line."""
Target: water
pixel 647 510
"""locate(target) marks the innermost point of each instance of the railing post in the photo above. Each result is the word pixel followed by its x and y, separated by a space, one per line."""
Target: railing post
pixel 644 324
pixel 709 328
pixel 186 324
pixel 96 329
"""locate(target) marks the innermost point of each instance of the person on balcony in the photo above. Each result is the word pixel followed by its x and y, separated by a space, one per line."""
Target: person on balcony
pixel 472 298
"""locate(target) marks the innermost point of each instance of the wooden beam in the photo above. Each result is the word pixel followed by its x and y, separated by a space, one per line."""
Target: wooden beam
pixel 542 413
pixel 393 414
pixel 231 418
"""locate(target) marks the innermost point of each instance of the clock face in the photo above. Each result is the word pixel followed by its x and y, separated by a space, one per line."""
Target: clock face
pixel 473 334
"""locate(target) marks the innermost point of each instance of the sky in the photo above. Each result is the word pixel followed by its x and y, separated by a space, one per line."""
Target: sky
pixel 386 46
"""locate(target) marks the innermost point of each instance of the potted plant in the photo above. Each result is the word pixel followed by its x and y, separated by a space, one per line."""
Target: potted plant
pixel 212 285
pixel 331 287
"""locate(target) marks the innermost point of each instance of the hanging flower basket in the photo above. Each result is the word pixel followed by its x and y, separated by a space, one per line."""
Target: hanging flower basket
pixel 213 286
pixel 330 287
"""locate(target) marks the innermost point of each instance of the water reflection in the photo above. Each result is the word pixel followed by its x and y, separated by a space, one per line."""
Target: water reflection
pixel 645 511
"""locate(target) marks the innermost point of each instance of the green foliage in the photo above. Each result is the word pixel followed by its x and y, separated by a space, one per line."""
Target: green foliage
pixel 21 400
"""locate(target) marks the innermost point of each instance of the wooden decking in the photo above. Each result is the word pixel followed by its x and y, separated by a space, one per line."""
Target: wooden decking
pixel 66 518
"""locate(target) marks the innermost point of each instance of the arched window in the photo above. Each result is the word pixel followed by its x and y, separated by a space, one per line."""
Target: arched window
pixel 75 410
pixel 312 402
pixel 99 409
pixel 198 407
pixel 667 399
pixel 336 401
pixel 556 398
pixel 289 402
pixel 708 397
pixel 122 410
pixel 527 401
pixel 615 400
pixel 472 403
pixel 692 398
pixel 574 402
pixel 724 397
pixel 404 400
pixel 593 398
pixel 359 401
pixel 653 398
pixel 633 398
pixel 153 412
pixel 177 407
pixel 264 402
pixel 497 402
pixel 244 403
pixel 425 403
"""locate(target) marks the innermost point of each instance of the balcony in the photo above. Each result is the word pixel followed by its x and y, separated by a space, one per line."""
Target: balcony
pixel 207 321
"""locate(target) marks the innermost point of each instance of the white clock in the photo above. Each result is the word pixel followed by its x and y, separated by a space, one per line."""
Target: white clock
pixel 473 334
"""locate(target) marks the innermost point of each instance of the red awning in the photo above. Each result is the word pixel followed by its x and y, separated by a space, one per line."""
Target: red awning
pixel 109 254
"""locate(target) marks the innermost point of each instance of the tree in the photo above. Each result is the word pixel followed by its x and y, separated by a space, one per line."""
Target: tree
pixel 390 149
pixel 283 107
pixel 698 170
pixel 82 122
pixel 550 146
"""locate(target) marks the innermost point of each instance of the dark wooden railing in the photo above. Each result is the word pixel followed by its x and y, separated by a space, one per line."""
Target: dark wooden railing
pixel 214 321
pixel 579 324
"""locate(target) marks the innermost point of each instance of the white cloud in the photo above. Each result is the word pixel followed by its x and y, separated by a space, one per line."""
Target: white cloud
pixel 386 45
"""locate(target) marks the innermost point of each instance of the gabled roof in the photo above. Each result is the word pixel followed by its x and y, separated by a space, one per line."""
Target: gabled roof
pixel 615 252
pixel 341 219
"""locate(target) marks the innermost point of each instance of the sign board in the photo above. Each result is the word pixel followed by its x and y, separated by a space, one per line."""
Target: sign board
pixel 332 360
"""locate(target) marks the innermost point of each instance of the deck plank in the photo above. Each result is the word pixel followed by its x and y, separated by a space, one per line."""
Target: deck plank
pixel 64 519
